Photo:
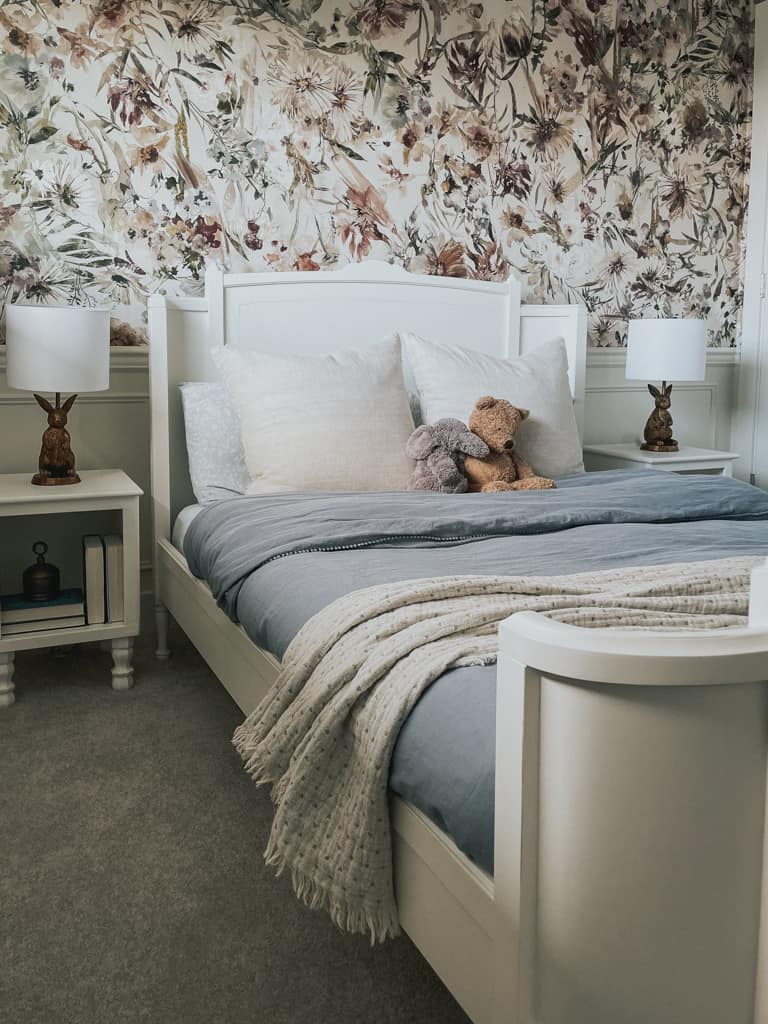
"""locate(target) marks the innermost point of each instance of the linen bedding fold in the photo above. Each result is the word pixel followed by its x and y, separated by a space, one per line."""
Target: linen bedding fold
pixel 324 734
pixel 229 540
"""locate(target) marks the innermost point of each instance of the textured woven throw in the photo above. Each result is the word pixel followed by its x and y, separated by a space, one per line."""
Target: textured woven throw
pixel 324 734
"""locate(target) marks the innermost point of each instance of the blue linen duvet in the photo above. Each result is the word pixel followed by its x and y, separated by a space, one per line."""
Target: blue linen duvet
pixel 273 561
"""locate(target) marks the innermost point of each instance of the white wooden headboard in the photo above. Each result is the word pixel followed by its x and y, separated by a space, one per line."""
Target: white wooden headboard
pixel 320 312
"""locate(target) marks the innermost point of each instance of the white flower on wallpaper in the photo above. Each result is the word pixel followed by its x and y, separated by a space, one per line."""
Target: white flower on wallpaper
pixel 599 147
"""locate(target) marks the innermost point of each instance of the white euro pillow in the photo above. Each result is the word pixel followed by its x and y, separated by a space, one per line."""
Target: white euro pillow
pixel 336 422
pixel 450 380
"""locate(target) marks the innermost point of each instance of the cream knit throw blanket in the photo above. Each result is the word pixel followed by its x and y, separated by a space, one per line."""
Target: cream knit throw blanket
pixel 324 734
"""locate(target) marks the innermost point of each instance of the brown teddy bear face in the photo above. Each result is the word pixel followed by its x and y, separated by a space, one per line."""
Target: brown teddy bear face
pixel 497 421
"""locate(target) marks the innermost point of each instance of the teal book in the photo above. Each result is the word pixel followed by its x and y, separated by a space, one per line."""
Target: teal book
pixel 16 608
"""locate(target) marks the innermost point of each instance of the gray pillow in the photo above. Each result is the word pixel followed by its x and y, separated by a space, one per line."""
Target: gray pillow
pixel 214 449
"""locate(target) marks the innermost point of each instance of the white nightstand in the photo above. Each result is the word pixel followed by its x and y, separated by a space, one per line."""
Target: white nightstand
pixel 100 490
pixel 631 456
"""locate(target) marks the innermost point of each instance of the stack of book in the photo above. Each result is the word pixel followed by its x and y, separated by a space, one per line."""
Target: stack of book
pixel 17 615
pixel 103 573
pixel 100 600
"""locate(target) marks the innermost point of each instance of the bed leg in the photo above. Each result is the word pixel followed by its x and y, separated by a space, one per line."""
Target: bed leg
pixel 122 657
pixel 162 651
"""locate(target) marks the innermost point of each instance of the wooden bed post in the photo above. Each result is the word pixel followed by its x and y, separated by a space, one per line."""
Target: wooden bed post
pixel 631 769
pixel 160 460
pixel 758 619
pixel 516 839
pixel 758 598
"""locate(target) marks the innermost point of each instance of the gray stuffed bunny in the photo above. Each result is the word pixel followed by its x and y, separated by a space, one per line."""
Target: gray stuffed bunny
pixel 439 452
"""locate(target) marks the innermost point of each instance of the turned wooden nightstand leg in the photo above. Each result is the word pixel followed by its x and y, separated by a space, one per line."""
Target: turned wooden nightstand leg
pixel 162 651
pixel 122 670
pixel 6 680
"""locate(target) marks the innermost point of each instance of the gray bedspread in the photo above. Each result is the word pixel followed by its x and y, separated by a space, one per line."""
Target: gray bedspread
pixel 273 561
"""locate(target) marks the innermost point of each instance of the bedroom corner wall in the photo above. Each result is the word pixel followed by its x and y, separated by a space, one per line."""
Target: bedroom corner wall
pixel 616 409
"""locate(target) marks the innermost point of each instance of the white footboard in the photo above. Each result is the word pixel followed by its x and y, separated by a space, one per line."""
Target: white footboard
pixel 630 817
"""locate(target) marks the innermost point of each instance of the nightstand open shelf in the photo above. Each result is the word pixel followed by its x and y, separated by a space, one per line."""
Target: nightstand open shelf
pixel 99 491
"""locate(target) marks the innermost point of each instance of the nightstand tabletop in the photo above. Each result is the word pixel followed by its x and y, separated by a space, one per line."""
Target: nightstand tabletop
pixel 633 453
pixel 95 484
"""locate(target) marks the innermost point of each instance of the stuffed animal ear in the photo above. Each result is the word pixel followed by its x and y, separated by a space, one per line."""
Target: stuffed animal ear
pixel 471 444
pixel 487 402
pixel 654 391
pixel 524 413
pixel 44 404
pixel 420 443
pixel 69 403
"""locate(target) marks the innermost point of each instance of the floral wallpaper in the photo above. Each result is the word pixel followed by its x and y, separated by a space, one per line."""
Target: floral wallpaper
pixel 601 147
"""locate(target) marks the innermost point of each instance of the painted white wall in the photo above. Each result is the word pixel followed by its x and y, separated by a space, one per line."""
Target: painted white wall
pixel 109 429
pixel 750 414
pixel 616 409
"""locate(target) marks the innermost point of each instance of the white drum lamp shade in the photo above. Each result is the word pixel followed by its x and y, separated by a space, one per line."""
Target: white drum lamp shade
pixel 57 349
pixel 668 350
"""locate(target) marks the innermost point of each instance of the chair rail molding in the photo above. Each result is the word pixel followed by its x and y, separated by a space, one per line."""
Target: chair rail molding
pixel 124 358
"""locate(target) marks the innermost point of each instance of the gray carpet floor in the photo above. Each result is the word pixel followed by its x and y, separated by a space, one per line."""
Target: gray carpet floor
pixel 132 886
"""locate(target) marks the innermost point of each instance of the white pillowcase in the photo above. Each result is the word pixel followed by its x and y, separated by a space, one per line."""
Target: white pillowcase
pixel 450 381
pixel 214 450
pixel 336 422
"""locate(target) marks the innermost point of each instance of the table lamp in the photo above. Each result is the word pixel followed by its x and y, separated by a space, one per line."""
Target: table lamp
pixel 56 349
pixel 667 350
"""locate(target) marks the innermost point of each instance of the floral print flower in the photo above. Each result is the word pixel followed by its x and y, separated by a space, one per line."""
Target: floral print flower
pixel 378 17
pixel 600 148
pixel 303 89
pixel 197 28
pixel 516 36
pixel 346 98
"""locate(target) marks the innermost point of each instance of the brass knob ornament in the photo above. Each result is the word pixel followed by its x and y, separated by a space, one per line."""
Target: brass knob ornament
pixel 41 581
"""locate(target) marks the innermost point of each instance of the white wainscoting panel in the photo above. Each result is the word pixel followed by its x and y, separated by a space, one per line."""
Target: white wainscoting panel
pixel 109 429
pixel 616 409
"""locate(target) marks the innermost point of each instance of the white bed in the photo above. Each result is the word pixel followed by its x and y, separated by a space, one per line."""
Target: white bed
pixel 484 935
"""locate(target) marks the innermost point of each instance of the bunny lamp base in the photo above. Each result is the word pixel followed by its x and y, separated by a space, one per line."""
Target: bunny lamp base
pixel 56 465
pixel 658 429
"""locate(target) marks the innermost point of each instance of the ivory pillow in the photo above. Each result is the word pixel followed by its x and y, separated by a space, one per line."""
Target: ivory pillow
pixel 450 380
pixel 337 422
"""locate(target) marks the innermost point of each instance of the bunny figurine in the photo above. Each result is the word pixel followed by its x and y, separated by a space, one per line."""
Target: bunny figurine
pixel 658 429
pixel 57 460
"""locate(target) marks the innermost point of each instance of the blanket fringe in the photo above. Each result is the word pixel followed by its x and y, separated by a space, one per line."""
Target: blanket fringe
pixel 379 925
pixel 252 760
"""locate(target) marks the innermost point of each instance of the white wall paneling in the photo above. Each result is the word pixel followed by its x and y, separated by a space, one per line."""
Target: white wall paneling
pixel 750 413
pixel 109 429
pixel 616 409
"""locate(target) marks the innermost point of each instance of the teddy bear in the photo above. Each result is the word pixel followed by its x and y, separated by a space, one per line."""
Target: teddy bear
pixel 439 452
pixel 496 422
